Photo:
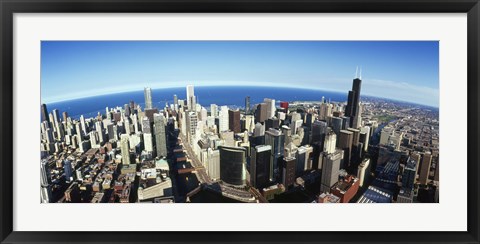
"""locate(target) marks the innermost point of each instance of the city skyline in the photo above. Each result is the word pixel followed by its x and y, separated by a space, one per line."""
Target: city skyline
pixel 242 143
pixel 344 153
pixel 68 71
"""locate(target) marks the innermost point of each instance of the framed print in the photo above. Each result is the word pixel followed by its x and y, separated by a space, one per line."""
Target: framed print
pixel 216 121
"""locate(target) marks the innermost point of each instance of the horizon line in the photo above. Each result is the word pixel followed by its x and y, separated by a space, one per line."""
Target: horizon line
pixel 226 85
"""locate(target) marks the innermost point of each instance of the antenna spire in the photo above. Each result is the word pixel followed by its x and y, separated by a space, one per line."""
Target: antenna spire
pixel 360 72
pixel 356 73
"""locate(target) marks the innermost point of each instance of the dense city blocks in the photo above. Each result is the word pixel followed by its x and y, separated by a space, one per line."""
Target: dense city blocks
pixel 359 150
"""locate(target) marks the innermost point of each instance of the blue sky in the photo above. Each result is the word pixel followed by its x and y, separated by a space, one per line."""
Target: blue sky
pixel 403 70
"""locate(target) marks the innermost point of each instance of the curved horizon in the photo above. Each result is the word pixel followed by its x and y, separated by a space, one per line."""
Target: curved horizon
pixel 397 70
pixel 234 85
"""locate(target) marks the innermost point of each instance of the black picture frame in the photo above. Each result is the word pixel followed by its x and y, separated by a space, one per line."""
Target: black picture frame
pixel 9 7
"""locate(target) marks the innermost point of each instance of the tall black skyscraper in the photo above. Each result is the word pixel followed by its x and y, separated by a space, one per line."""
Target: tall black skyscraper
pixel 260 166
pixel 233 165
pixel 45 113
pixel 352 109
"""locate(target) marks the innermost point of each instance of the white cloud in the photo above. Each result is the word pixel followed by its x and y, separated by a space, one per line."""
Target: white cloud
pixel 401 91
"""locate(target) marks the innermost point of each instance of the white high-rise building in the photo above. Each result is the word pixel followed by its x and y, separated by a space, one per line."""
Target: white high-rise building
pixel 94 142
pixel 228 138
pixel 203 114
pixel 249 123
pixel 192 121
pixel 223 119
pixel 191 100
pixel 135 123
pixel 183 123
pixel 363 171
pixel 100 131
pixel 270 107
pixel 148 142
pixel 330 170
pixel 395 140
pixel 213 110
pixel 148 97
pixel 78 130
pixel 385 134
pixel 295 125
pixel 210 121
pixel 365 132
pixel 330 141
pixel 84 126
pixel 127 127
pixel 302 156
pixel 388 137
pixel 135 140
pixel 325 111
pixel 259 129
pixel 213 163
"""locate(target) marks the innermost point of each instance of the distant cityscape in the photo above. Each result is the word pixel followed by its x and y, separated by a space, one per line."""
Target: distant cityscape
pixel 354 151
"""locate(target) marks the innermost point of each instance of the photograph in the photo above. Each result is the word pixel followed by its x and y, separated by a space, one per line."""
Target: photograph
pixel 273 121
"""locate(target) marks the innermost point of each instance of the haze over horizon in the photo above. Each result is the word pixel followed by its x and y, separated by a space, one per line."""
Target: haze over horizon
pixel 77 69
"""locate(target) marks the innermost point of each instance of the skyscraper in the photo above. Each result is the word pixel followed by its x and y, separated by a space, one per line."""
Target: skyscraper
pixel 213 165
pixel 175 100
pixel 67 167
pixel 234 121
pixel 330 169
pixel 249 123
pixel 146 125
pixel 325 111
pixel 330 141
pixel 259 129
pixel 387 131
pixel 272 123
pixel 148 97
pixel 44 113
pixel 288 173
pixel 100 131
pixel 148 142
pixel 261 113
pixel 160 136
pixel 336 125
pixel 352 110
pixel 319 129
pixel 127 110
pixel 125 148
pixel 409 174
pixel 260 165
pixel 303 157
pixel 276 140
pixel 345 142
pixel 247 105
pixel 213 110
pixel 233 165
pixel 44 173
pixel 192 121
pixel 363 172
pixel 270 107
pixel 65 116
pixel 191 100
pixel 356 147
pixel 365 137
pixel 425 168
pixel 223 119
